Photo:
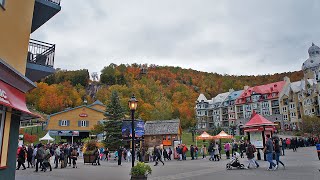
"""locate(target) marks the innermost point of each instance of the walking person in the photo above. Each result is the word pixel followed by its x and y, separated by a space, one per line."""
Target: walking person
pixel 106 152
pixel 74 157
pixel 294 144
pixel 283 147
pixel 242 149
pixel 169 153
pixel 158 156
pixel 250 155
pixel 165 154
pixel 216 152
pixel 21 158
pixel 46 159
pixel 196 152
pixel 128 155
pixel 204 151
pixel 278 151
pixel 57 154
pixel 29 156
pixel 268 149
pixel 34 155
pixel 227 150
pixel 119 155
pixel 192 152
pixel 40 157
pixel 211 152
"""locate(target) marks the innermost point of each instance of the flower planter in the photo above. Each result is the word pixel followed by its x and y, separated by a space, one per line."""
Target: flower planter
pixel 88 158
pixel 141 177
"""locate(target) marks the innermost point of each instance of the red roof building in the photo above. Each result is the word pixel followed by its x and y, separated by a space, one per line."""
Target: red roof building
pixel 267 92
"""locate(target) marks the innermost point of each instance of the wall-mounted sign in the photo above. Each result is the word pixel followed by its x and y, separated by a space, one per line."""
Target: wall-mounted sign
pixel 83 115
pixel 64 133
pixel 3 96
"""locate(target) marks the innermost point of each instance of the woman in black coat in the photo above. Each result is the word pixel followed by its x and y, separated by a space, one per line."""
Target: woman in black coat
pixel 29 156
pixel 21 158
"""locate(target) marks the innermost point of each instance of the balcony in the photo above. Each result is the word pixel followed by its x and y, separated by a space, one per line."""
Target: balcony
pixel 40 60
pixel 43 11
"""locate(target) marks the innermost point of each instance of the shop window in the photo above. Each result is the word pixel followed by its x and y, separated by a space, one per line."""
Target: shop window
pixel 1 130
pixel 164 138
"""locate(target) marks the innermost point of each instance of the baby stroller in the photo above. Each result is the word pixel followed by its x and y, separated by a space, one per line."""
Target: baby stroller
pixel 235 162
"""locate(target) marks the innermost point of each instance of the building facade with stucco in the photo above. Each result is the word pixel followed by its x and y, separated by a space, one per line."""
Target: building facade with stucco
pixel 283 102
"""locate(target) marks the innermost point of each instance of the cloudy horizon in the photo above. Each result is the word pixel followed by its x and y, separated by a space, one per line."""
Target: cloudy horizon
pixel 227 37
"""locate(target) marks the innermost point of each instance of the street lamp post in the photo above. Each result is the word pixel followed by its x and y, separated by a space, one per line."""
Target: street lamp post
pixel 133 103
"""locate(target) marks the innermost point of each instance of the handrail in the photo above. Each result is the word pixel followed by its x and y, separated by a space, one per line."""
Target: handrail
pixel 41 53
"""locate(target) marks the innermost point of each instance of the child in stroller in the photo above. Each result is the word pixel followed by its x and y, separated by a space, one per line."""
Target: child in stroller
pixel 235 162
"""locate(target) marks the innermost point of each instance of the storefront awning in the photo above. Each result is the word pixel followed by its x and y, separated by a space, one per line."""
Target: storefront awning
pixel 12 97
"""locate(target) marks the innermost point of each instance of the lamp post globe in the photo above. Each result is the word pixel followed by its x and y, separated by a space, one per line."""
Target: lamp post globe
pixel 133 103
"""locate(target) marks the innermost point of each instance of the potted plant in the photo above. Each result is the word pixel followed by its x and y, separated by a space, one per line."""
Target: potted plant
pixel 140 171
pixel 88 155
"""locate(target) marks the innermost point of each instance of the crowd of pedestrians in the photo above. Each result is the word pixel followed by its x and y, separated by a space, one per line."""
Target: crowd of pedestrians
pixel 39 156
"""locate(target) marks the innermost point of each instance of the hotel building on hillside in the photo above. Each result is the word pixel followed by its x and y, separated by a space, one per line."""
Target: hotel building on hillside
pixel 282 102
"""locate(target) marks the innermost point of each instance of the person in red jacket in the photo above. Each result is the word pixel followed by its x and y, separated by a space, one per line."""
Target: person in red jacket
pixel 184 152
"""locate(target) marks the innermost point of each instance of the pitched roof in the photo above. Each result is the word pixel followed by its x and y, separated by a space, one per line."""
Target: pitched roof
pixel 220 98
pixel 234 95
pixel 297 86
pixel 97 102
pixel 71 109
pixel 257 120
pixel 270 88
pixel 159 127
pixel 202 98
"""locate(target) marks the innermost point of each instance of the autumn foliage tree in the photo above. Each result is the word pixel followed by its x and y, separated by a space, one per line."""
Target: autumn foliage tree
pixel 165 92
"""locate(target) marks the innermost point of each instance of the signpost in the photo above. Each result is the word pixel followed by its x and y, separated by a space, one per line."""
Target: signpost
pixel 64 133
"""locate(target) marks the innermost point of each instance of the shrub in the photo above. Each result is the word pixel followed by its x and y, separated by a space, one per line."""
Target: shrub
pixel 141 169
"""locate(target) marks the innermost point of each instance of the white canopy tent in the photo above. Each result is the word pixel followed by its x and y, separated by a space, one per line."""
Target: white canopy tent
pixel 47 137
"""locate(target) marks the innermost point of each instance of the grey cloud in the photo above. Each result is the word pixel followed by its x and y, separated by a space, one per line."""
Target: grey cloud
pixel 234 37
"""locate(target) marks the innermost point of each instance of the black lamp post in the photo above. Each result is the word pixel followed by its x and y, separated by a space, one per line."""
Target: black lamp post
pixel 133 103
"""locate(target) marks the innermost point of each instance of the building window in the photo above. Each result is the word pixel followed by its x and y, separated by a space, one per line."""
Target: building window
pixel 1 129
pixel 63 122
pixel 293 114
pixel 285 117
pixel 83 123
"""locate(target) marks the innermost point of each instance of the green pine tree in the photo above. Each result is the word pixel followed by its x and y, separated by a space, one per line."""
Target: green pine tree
pixel 114 110
pixel 113 125
pixel 113 138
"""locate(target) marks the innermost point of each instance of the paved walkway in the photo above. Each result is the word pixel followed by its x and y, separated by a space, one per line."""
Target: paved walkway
pixel 301 165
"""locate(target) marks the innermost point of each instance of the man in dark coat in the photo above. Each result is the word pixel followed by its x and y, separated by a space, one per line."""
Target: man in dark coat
pixel 192 152
pixel 119 155
pixel 158 155
pixel 29 156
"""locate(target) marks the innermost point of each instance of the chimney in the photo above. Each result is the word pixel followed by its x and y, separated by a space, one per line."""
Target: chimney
pixel 245 87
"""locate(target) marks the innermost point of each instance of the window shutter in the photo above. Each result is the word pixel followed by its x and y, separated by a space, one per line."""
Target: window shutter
pixel 79 123
pixel 60 122
pixel 68 122
pixel 87 123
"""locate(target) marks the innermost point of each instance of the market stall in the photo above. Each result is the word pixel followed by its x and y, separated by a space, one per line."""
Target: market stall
pixel 257 128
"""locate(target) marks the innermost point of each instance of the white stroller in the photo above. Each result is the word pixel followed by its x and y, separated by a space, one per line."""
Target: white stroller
pixel 235 162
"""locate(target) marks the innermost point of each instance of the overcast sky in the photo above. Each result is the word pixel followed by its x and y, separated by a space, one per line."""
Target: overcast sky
pixel 232 37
